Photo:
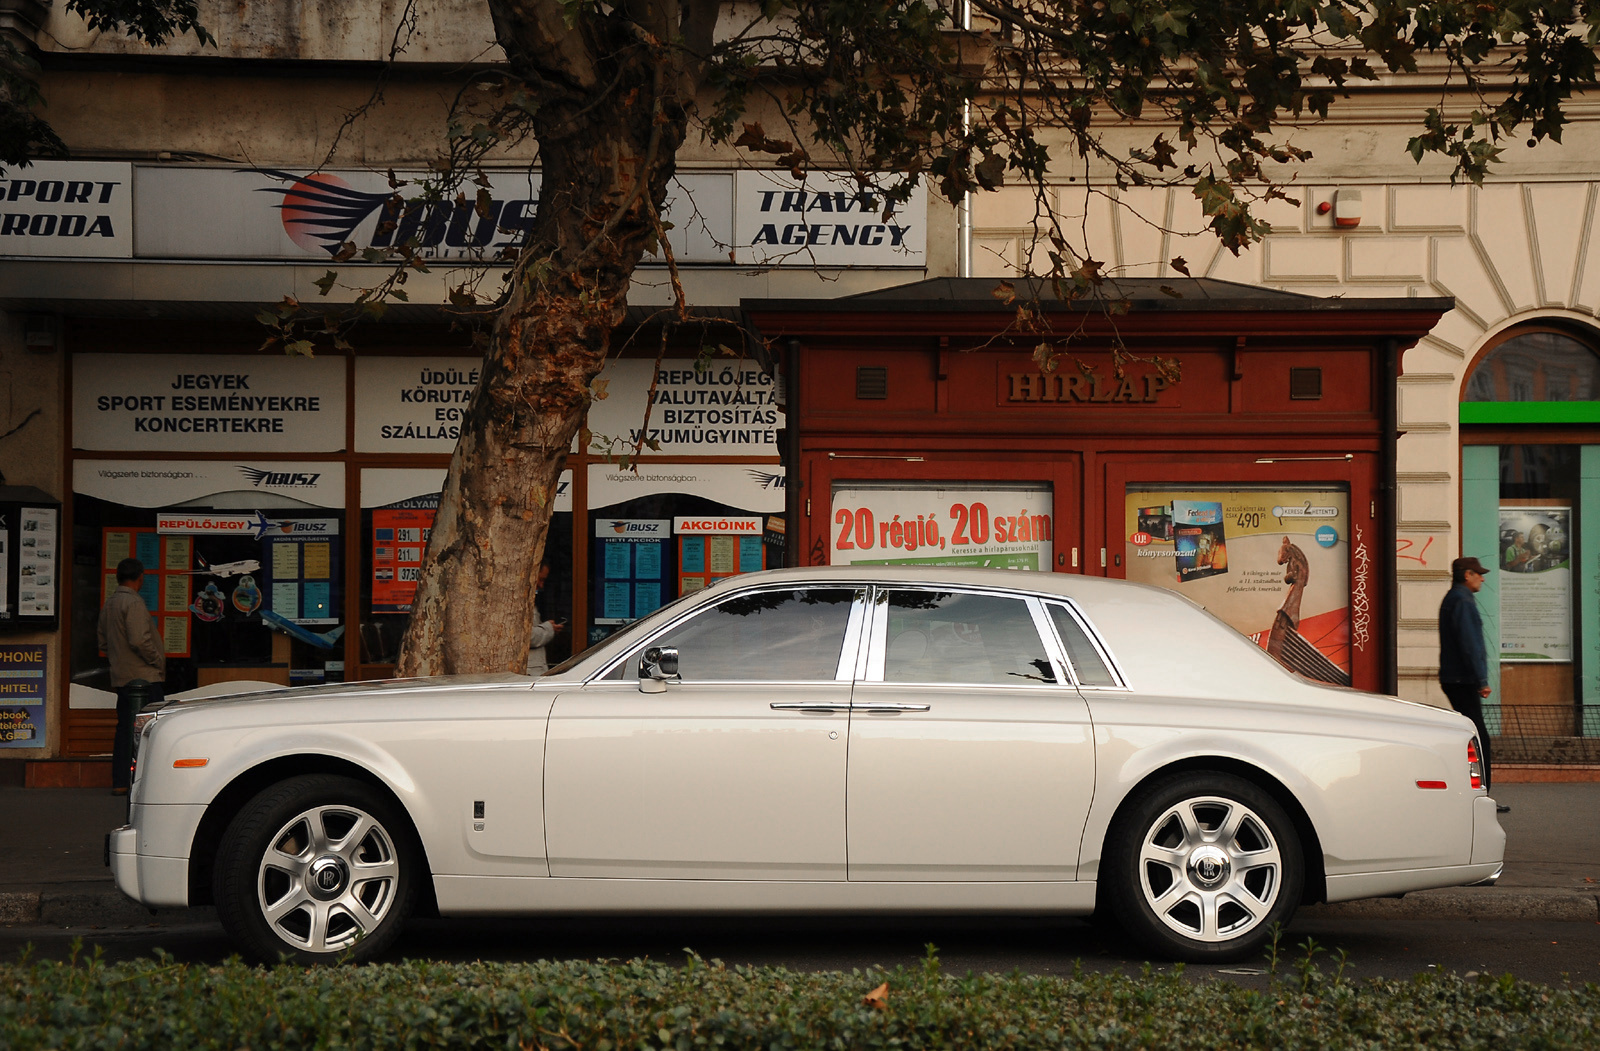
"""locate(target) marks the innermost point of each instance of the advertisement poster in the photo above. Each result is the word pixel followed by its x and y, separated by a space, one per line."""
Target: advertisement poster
pixel 1536 588
pixel 22 680
pixel 36 562
pixel 983 526
pixel 399 537
pixel 1273 563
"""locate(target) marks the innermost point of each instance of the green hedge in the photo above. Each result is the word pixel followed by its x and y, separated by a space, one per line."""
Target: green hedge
pixel 162 1005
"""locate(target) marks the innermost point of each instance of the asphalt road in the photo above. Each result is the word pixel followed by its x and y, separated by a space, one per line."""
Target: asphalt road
pixel 1542 951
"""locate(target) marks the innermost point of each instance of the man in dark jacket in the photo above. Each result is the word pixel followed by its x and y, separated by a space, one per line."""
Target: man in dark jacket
pixel 1463 661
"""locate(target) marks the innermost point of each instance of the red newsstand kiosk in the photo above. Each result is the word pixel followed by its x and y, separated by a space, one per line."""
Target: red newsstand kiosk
pixel 1257 477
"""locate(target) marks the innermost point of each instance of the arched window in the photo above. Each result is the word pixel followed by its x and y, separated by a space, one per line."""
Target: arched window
pixel 1538 365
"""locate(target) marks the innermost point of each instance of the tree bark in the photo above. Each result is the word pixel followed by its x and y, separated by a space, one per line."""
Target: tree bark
pixel 612 97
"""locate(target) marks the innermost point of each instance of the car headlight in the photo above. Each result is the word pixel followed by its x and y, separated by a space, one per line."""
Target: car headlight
pixel 143 723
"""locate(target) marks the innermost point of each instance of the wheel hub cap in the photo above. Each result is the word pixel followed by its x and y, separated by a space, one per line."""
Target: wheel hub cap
pixel 1208 866
pixel 328 877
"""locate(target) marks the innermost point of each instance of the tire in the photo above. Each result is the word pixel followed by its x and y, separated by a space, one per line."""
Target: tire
pixel 317 868
pixel 1202 865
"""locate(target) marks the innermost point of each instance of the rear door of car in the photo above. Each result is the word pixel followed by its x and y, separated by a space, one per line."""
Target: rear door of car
pixel 736 771
pixel 971 750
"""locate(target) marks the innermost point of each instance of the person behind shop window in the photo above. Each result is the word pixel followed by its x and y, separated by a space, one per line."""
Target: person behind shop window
pixel 1463 658
pixel 545 630
pixel 128 637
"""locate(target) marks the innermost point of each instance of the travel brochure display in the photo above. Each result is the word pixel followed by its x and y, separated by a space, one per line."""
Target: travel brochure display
pixel 1535 584
pixel 30 553
pixel 988 527
pixel 1273 563
pixel 283 577
pixel 631 581
pixel 22 696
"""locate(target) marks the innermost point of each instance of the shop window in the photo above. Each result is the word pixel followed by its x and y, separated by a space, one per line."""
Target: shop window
pixel 242 584
pixel 646 550
pixel 397 514
pixel 1537 365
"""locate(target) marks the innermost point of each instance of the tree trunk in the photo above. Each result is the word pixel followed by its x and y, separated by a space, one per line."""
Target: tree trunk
pixel 611 117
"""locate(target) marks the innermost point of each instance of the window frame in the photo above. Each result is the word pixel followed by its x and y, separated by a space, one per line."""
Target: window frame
pixel 848 653
pixel 1081 619
pixel 875 655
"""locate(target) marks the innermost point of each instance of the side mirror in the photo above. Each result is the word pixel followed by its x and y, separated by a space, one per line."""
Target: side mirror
pixel 656 665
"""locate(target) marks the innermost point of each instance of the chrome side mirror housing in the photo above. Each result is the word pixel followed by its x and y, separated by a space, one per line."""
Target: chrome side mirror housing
pixel 657 665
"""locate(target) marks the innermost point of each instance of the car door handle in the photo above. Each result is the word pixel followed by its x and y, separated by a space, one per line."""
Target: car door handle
pixel 889 706
pixel 807 706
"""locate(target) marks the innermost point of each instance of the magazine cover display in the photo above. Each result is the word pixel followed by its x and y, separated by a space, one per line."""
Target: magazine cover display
pixel 1273 563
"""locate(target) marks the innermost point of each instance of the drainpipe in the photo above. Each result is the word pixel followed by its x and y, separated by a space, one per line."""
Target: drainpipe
pixel 1388 489
pixel 964 209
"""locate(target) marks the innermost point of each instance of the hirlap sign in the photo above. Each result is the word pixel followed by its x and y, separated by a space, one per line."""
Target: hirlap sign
pixel 67 208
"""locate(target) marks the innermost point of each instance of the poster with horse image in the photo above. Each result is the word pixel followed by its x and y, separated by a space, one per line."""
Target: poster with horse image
pixel 1272 562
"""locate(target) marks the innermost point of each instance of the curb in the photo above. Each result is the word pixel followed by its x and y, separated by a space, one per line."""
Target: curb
pixel 1486 903
pixel 105 908
pixel 110 908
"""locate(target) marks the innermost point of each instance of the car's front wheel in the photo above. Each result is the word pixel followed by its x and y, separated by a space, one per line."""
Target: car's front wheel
pixel 1202 865
pixel 317 868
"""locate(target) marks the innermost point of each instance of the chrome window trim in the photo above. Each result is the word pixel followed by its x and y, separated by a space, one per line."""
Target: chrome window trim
pixel 878 647
pixel 1082 620
pixel 861 590
pixel 1065 674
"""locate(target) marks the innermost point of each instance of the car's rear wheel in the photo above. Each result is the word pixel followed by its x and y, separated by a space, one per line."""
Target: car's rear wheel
pixel 317 868
pixel 1202 866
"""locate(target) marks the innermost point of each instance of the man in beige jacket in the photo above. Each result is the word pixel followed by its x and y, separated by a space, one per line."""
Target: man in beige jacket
pixel 128 637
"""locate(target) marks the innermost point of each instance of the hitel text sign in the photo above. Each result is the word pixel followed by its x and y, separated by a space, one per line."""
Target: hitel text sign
pixel 206 402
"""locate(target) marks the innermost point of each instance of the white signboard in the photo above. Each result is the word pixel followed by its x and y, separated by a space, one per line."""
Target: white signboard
pixel 825 221
pixel 727 410
pixel 633 528
pixel 388 486
pixel 208 403
pixel 412 405
pixel 1535 584
pixel 752 489
pixel 67 208
pixel 268 213
pixel 943 524
pixel 239 485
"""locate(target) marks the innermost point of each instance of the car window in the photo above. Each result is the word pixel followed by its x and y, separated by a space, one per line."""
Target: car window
pixel 1086 660
pixel 768 636
pixel 945 636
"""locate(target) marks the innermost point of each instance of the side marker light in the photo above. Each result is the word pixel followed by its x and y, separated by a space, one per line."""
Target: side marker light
pixel 188 764
pixel 1431 784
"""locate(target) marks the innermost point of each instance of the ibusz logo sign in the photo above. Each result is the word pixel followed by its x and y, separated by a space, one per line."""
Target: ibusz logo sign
pixel 263 479
pixel 322 212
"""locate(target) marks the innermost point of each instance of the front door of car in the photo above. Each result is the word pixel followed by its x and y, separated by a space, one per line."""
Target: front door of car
pixel 971 752
pixel 736 771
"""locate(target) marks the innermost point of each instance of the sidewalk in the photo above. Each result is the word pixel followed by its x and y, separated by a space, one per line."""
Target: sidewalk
pixel 52 872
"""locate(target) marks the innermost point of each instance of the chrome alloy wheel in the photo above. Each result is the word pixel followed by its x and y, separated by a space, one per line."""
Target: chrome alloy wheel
pixel 327 877
pixel 1210 869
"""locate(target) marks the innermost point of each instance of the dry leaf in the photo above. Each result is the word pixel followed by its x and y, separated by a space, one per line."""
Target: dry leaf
pixel 878 998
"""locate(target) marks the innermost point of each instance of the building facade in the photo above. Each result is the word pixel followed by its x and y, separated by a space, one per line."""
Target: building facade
pixel 133 395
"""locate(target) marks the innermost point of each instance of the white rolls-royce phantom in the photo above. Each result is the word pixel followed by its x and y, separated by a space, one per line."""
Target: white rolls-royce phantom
pixel 836 739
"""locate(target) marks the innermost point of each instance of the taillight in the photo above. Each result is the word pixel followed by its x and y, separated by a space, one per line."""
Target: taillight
pixel 1474 765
